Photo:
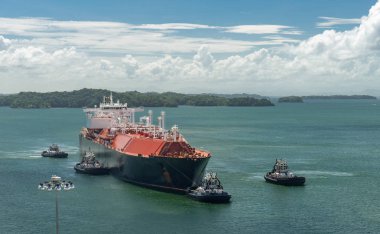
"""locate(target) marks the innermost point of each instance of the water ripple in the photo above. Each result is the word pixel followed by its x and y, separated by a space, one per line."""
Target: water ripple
pixel 325 173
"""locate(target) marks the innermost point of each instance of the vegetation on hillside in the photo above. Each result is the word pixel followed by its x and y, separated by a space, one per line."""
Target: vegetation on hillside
pixel 91 97
pixel 292 99
pixel 340 97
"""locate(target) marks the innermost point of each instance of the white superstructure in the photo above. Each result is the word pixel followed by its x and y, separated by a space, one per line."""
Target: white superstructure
pixel 118 116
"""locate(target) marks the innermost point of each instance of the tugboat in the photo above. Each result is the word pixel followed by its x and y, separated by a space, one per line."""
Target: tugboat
pixel 54 152
pixel 89 165
pixel 281 175
pixel 210 191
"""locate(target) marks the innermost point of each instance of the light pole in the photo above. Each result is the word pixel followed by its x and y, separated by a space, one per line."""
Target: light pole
pixel 57 184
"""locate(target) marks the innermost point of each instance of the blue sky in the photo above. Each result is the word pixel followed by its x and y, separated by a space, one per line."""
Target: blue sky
pixel 267 47
pixel 301 14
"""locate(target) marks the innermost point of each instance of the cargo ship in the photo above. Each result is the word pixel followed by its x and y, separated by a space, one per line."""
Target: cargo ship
pixel 140 152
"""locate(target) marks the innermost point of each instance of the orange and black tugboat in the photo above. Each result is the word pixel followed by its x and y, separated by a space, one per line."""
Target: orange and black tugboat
pixel 281 175
pixel 140 152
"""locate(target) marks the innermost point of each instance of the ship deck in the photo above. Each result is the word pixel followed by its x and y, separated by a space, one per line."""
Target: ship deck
pixel 139 143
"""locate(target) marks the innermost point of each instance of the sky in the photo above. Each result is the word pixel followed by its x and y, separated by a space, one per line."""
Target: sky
pixel 271 47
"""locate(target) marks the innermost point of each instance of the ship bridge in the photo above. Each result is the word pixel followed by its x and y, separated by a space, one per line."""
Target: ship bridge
pixel 110 114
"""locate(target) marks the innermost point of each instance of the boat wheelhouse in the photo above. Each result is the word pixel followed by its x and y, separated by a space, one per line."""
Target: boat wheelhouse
pixel 54 152
pixel 281 175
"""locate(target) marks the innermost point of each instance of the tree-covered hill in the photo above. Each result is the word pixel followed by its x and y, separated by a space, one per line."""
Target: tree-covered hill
pixel 293 99
pixel 340 97
pixel 91 97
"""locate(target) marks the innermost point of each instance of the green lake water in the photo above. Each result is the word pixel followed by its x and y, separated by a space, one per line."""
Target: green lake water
pixel 334 144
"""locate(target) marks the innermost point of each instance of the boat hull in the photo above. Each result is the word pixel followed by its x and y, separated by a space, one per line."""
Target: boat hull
pixel 91 171
pixel 294 181
pixel 162 173
pixel 54 155
pixel 211 198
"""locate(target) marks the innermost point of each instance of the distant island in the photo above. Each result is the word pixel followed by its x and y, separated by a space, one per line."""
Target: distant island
pixel 292 99
pixel 238 95
pixel 340 97
pixel 91 97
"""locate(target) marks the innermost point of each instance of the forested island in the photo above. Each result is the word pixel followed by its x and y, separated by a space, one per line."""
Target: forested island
pixel 292 99
pixel 91 97
pixel 340 97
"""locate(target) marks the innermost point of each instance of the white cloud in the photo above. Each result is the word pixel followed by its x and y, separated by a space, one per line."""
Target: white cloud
pixel 116 37
pixel 263 29
pixel 204 58
pixel 106 65
pixel 4 43
pixel 30 57
pixel 130 64
pixel 162 69
pixel 360 41
pixel 174 26
pixel 328 63
pixel 331 21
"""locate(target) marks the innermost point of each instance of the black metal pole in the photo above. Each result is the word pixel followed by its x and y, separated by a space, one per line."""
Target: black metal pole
pixel 56 212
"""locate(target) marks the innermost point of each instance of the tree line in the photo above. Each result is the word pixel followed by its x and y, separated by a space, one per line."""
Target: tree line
pixel 91 97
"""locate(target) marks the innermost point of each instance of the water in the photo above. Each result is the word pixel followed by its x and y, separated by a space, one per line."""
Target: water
pixel 334 144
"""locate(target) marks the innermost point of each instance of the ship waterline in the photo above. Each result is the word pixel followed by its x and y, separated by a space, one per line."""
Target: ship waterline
pixel 142 153
pixel 161 173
